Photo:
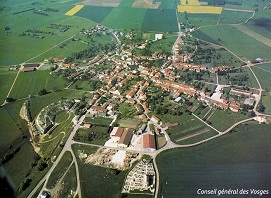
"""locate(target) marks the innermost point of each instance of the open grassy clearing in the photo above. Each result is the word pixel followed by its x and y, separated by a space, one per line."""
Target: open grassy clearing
pixel 128 18
pixel 242 45
pixel 6 79
pixel 160 20
pixel 260 23
pixel 17 49
pixel 37 103
pixel 30 83
pixel 252 81
pixel 60 169
pixel 183 171
pixel 247 5
pixel 94 135
pixel 97 180
pixel 229 118
pixel 266 100
pixel 232 17
pixel 146 4
pixel 199 19
pixel 264 77
pixel 69 183
pixel 127 110
pixel 189 130
pixel 96 14
pixel 129 123
pixel 13 128
pixel 254 35
pixel 98 121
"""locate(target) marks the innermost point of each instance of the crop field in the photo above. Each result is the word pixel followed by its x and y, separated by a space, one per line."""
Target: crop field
pixel 200 9
pixel 160 20
pixel 74 10
pixel 254 35
pixel 199 19
pixel 246 5
pixel 28 33
pixel 242 45
pixel 189 130
pixel 216 163
pixel 232 17
pixel 264 77
pixel 6 79
pixel 32 82
pixel 261 23
pixel 96 14
pixel 39 102
pixel 229 118
pixel 146 4
pixel 98 180
pixel 105 3
pixel 266 100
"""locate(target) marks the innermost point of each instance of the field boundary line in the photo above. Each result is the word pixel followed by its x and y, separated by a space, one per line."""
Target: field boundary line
pixel 193 135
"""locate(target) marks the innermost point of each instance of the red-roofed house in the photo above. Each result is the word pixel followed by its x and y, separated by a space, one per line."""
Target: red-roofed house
pixel 149 142
pixel 116 133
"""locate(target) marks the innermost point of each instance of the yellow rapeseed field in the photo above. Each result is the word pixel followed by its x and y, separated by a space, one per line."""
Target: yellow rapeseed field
pixel 200 9
pixel 74 10
pixel 183 2
pixel 193 2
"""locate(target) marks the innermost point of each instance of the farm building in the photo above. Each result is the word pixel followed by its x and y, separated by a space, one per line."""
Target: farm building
pixel 125 137
pixel 116 133
pixel 149 142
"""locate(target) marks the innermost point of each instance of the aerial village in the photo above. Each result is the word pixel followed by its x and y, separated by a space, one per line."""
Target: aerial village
pixel 126 66
pixel 165 77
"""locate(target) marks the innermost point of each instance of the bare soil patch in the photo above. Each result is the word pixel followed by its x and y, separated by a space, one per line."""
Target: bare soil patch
pixel 102 3
pixel 145 4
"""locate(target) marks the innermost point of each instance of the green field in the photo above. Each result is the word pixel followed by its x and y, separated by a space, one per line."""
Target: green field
pixel 91 184
pixel 242 45
pixel 60 169
pixel 198 20
pixel 266 100
pixel 39 102
pixel 232 17
pixel 190 130
pixel 229 118
pixel 30 83
pixel 160 20
pixel 16 49
pixel 98 121
pixel 216 164
pixel 6 79
pixel 263 76
pixel 94 13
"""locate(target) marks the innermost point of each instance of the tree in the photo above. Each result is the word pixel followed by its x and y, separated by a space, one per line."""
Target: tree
pixel 43 92
pixel 9 99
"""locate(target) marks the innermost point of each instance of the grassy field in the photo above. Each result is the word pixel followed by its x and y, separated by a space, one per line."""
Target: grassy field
pixel 98 121
pixel 69 183
pixel 6 79
pixel 199 19
pixel 97 181
pixel 190 130
pixel 266 100
pixel 160 20
pixel 260 23
pixel 233 161
pixel 129 123
pixel 127 110
pixel 229 118
pixel 32 82
pixel 94 135
pixel 94 13
pixel 60 169
pixel 242 45
pixel 232 17
pixel 12 127
pixel 263 76
pixel 39 102
pixel 17 49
